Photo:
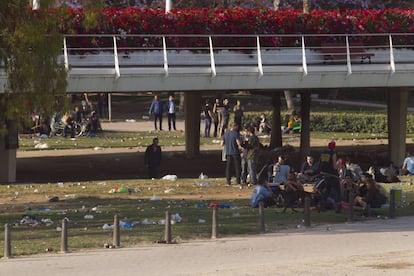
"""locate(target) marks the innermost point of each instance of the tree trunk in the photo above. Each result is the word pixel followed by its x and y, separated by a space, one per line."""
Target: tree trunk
pixel 289 100
pixel 306 6
pixel 276 4
pixel 276 132
pixel 304 125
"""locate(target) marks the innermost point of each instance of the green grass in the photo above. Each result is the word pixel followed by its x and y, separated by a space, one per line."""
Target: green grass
pixel 188 199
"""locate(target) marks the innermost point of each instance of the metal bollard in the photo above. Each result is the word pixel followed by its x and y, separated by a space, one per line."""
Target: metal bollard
pixel 116 237
pixel 351 206
pixel 262 228
pixel 7 241
pixel 64 237
pixel 307 212
pixel 392 204
pixel 167 227
pixel 214 224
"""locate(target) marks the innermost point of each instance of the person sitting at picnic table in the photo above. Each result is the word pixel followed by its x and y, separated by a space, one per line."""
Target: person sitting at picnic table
pixel 280 171
pixel 309 170
pixel 372 198
pixel 262 192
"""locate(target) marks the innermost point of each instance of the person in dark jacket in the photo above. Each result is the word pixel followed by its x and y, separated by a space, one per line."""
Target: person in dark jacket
pixel 152 159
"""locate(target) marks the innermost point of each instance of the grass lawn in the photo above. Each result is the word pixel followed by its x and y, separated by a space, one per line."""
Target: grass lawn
pixel 143 203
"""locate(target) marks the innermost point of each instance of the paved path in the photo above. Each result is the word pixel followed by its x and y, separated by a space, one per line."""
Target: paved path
pixel 375 247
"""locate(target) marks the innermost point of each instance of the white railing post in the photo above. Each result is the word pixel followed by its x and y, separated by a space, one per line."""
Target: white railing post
pixel 117 72
pixel 164 49
pixel 65 54
pixel 304 62
pixel 213 63
pixel 348 56
pixel 392 60
pixel 259 57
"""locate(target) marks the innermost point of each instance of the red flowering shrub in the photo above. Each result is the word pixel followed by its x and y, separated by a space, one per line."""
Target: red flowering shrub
pixel 236 22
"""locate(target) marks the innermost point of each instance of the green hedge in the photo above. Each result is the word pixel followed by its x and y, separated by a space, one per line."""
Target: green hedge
pixel 339 122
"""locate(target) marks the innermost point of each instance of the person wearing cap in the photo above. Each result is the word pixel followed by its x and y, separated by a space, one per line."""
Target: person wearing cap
pixel 152 159
pixel 328 167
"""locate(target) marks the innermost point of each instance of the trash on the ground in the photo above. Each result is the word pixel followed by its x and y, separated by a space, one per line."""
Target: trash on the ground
pixel 176 217
pixel 155 198
pixel 201 221
pixel 53 198
pixel 123 190
pixel 60 184
pixel 107 227
pixel 130 120
pixel 41 146
pixel 202 176
pixel 111 191
pixel 215 141
pixel 29 221
pixel 88 217
pixel 147 222
pixel 161 221
pixel 45 209
pixel 145 117
pixel 47 221
pixel 200 206
pixel 71 196
pixel 98 148
pixel 125 225
pixel 103 183
pixel 58 229
pixel 168 191
pixel 205 184
pixel 171 177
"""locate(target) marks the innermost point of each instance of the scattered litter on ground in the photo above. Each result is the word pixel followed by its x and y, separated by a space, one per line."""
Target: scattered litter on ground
pixel 71 196
pixel 205 184
pixel 171 177
pixel 168 191
pixel 215 141
pixel 201 221
pixel 202 176
pixel 155 198
pixel 60 184
pixel 176 217
pixel 132 120
pixel 41 146
pixel 108 227
pixel 103 183
pixel 47 221
pixel 98 148
pixel 88 217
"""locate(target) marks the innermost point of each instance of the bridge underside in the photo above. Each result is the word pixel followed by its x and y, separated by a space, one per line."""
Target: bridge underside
pixel 193 80
pixel 231 78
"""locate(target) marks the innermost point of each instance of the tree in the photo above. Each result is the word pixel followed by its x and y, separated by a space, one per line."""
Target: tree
pixel 30 53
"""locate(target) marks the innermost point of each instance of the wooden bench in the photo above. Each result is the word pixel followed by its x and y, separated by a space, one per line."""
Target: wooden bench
pixel 335 51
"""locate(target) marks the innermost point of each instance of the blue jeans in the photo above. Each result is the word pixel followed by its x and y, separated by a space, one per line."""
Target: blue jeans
pixel 207 127
pixel 252 165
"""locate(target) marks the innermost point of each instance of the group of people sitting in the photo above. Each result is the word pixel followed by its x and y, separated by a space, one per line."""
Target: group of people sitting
pixel 335 183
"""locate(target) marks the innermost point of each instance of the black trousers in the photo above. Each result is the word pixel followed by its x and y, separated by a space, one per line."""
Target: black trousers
pixel 236 160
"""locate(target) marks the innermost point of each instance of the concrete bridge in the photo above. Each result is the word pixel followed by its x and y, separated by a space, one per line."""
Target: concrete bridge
pixel 199 64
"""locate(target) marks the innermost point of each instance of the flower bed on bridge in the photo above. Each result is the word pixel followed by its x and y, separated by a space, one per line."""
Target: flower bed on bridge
pixel 237 22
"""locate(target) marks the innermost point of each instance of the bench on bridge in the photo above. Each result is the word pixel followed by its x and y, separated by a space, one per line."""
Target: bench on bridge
pixel 335 51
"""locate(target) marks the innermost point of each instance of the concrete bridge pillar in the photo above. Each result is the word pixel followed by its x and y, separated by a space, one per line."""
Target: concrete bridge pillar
pixel 192 110
pixel 7 163
pixel 397 124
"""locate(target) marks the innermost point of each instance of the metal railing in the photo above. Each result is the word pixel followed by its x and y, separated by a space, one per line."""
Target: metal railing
pixel 259 51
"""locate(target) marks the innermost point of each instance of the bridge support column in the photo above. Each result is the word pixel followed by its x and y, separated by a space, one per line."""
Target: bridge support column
pixel 397 124
pixel 8 163
pixel 192 109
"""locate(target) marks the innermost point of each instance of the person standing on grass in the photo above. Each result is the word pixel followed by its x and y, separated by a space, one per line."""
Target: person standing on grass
pixel 408 164
pixel 171 113
pixel 152 159
pixel 232 144
pixel 156 108
pixel 208 116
